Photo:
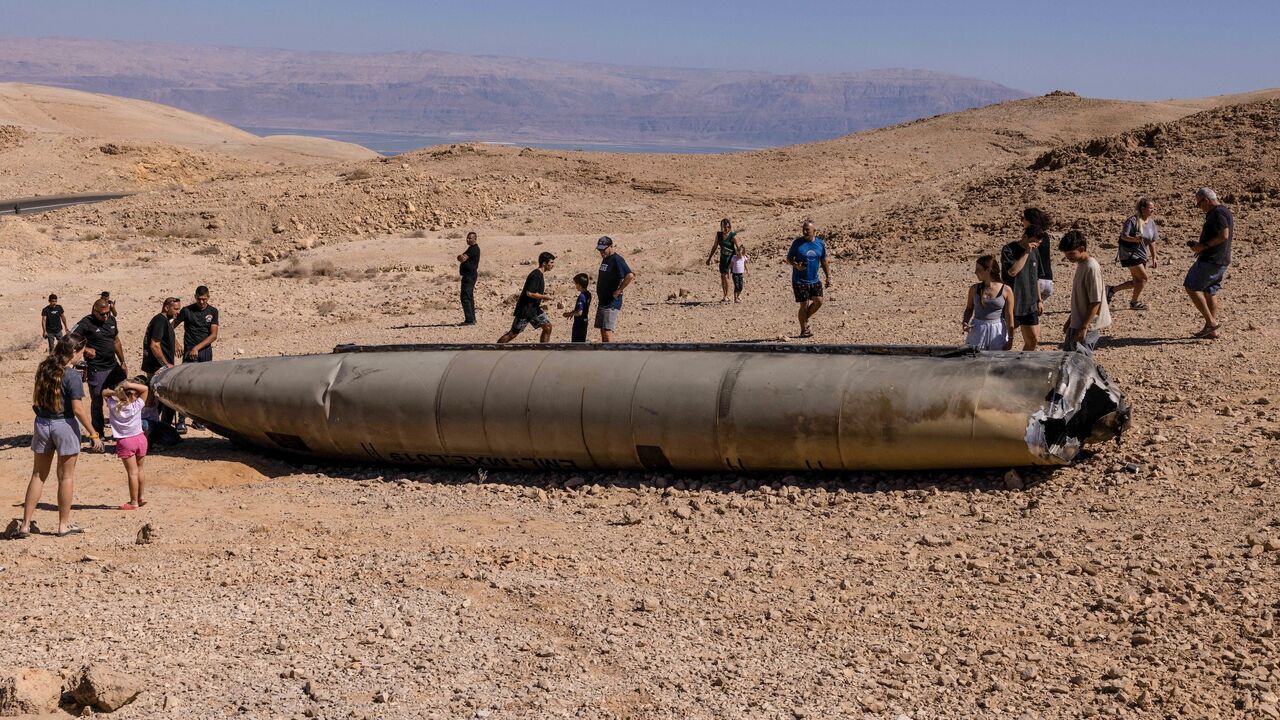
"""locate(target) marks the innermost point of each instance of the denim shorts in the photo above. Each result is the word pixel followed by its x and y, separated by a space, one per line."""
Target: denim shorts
pixel 1205 277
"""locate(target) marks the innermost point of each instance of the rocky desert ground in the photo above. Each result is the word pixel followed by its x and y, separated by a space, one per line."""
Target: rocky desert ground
pixel 1140 582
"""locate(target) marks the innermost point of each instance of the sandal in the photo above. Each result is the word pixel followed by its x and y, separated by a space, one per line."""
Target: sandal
pixel 71 530
pixel 806 334
pixel 1136 305
pixel 127 506
pixel 1111 292
pixel 1208 330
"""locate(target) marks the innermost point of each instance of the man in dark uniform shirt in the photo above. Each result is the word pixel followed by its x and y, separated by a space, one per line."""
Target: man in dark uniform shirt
pixel 199 322
pixel 158 346
pixel 104 357
pixel 53 322
pixel 469 270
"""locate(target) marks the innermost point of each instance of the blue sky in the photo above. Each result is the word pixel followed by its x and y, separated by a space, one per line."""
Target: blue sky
pixel 1152 50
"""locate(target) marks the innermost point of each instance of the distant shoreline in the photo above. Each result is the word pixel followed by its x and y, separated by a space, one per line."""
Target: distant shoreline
pixel 391 144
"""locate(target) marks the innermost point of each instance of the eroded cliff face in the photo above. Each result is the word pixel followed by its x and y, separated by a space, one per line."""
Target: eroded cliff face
pixel 496 98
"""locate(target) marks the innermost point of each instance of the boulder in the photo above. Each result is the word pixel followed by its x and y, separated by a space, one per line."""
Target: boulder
pixel 27 691
pixel 104 689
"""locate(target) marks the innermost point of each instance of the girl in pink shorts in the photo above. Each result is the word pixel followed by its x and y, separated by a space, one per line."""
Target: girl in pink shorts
pixel 124 404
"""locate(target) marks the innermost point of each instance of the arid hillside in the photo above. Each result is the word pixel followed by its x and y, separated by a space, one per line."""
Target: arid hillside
pixel 54 140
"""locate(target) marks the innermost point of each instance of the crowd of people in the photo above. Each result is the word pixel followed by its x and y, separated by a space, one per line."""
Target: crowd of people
pixel 90 355
pixel 1009 296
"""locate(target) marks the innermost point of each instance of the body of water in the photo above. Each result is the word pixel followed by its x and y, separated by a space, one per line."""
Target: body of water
pixel 396 143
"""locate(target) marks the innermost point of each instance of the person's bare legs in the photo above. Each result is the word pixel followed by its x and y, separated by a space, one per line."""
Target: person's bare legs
pixel 141 484
pixel 1030 336
pixel 506 338
pixel 39 473
pixel 134 473
pixel 66 489
pixel 1207 306
pixel 606 335
pixel 724 285
pixel 546 334
pixel 807 309
pixel 1137 282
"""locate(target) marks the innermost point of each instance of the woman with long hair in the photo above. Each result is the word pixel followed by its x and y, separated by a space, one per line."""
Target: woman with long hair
pixel 58 401
pixel 726 242
pixel 988 313
pixel 1136 250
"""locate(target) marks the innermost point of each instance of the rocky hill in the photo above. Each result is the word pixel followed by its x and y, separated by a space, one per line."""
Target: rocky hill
pixel 490 98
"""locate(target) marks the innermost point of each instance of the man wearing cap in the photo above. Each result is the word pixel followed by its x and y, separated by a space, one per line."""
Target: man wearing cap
pixel 53 322
pixel 1213 255
pixel 615 275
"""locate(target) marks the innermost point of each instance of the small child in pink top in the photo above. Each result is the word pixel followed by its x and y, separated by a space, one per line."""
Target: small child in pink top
pixel 125 403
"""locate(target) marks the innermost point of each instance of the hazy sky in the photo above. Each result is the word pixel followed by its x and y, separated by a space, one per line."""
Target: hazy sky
pixel 1155 49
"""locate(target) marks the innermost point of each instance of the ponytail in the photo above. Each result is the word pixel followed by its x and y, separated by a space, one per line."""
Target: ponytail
pixel 991 264
pixel 49 375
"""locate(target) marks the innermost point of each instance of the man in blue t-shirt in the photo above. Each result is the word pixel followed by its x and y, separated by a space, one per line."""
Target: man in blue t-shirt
pixel 806 255
pixel 615 275
pixel 1213 255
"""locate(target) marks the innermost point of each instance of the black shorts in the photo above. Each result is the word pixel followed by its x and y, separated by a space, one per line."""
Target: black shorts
pixel 1133 262
pixel 806 291
pixel 1028 319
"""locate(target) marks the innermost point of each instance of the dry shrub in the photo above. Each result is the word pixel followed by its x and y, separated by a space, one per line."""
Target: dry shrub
pixel 454 235
pixel 484 274
pixel 187 230
pixel 90 236
pixel 296 268
pixel 357 174
pixel 419 233
pixel 326 307
pixel 207 250
pixel 324 268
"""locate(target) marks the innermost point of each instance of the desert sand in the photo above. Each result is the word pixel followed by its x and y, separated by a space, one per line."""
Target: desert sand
pixel 1140 582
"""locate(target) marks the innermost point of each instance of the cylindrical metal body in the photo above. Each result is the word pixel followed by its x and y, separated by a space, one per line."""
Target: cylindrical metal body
pixel 659 407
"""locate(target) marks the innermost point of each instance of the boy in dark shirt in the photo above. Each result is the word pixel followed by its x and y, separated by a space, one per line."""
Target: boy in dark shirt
pixel 53 322
pixel 529 305
pixel 581 307
pixel 1021 262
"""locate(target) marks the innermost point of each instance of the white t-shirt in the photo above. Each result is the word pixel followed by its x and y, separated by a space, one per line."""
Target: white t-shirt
pixel 738 264
pixel 126 418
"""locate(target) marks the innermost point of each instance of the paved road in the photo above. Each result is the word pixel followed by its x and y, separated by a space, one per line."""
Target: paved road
pixel 25 206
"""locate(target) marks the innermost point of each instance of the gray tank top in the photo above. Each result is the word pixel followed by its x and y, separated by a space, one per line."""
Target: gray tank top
pixel 987 310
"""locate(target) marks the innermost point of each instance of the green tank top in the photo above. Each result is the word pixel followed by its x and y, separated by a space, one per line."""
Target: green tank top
pixel 726 244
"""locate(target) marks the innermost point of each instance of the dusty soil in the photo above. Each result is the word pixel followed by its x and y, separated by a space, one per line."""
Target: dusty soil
pixel 1141 582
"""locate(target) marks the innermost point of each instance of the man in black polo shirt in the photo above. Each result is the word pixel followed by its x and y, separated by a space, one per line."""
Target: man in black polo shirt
pixel 469 270
pixel 1213 255
pixel 103 355
pixel 158 345
pixel 53 321
pixel 199 322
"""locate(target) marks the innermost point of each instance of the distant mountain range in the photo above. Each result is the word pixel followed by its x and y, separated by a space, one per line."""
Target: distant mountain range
pixel 494 98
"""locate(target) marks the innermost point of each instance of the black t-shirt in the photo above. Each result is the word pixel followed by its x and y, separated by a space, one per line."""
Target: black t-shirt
pixel 160 330
pixel 196 324
pixel 1026 285
pixel 526 306
pixel 471 266
pixel 1046 261
pixel 101 337
pixel 52 318
pixel 613 270
pixel 1214 221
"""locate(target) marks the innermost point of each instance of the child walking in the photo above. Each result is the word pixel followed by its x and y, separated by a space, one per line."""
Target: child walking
pixel 738 266
pixel 581 308
pixel 125 403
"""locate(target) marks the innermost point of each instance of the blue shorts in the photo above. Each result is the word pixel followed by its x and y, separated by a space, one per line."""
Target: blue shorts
pixel 1205 277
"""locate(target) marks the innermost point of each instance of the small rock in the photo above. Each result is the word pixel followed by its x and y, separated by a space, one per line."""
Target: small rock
pixel 683 513
pixel 146 534
pixel 1013 481
pixel 1256 538
pixel 649 603
pixel 381 697
pixel 104 689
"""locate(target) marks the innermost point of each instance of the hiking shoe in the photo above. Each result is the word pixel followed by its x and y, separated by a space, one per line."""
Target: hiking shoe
pixel 180 428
